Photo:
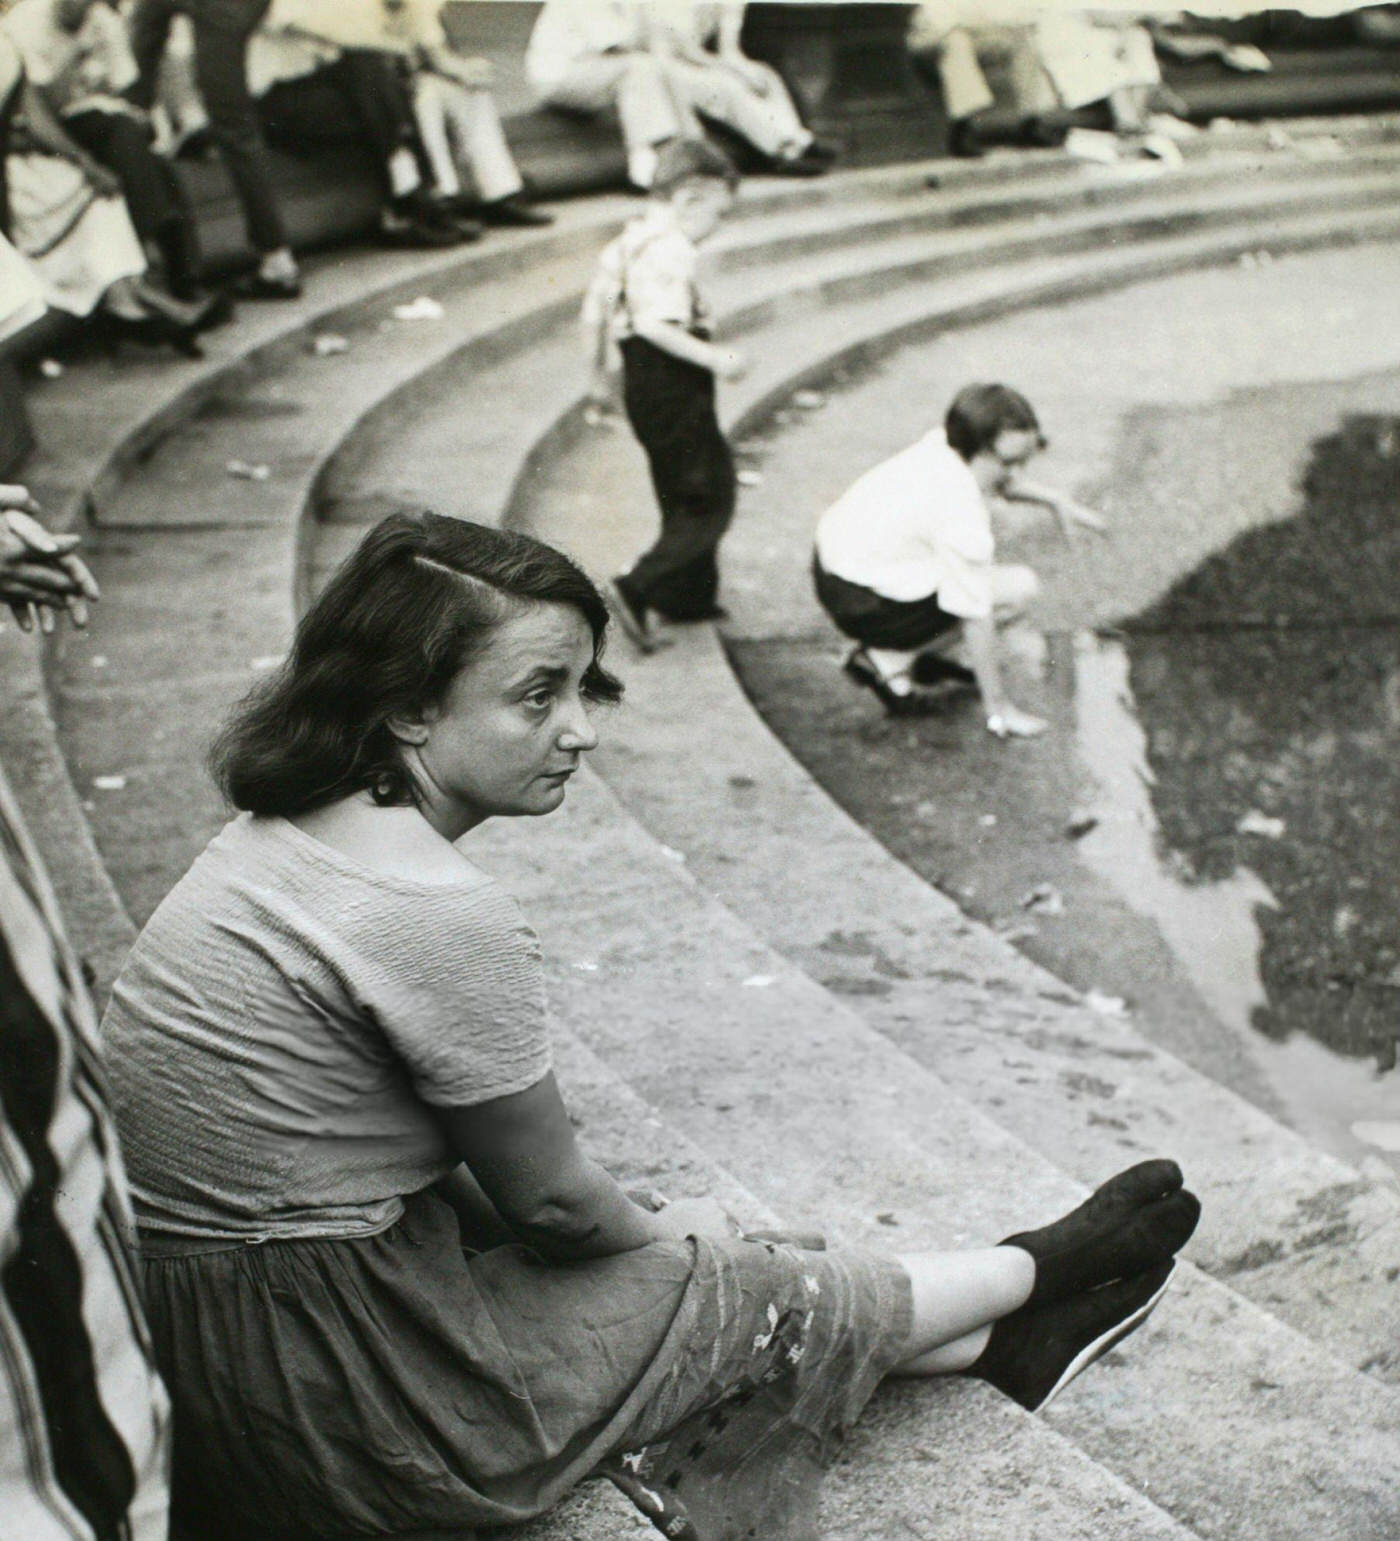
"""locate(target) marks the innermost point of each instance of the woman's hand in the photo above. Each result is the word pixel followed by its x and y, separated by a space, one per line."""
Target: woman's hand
pixel 694 1217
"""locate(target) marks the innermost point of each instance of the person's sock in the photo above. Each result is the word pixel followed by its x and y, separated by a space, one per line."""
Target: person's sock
pixel 893 666
pixel 1137 1220
pixel 278 266
pixel 641 165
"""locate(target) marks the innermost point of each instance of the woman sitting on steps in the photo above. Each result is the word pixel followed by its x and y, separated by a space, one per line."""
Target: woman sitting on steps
pixel 388 1291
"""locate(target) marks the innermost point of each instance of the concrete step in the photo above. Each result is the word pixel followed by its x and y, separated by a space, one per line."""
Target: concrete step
pixel 834 1126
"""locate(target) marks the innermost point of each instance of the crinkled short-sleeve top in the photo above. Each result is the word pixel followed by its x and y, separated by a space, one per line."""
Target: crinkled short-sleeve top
pixel 286 1024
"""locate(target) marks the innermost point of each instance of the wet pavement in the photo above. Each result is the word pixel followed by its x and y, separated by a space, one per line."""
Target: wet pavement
pixel 1209 837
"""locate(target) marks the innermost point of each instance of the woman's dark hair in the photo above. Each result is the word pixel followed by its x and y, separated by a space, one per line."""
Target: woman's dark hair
pixel 417 599
pixel 980 412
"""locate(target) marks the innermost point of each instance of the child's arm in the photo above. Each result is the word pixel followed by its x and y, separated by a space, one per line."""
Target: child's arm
pixel 1065 509
pixel 727 363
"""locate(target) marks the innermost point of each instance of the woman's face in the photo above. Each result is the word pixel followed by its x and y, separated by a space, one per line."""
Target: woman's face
pixel 513 725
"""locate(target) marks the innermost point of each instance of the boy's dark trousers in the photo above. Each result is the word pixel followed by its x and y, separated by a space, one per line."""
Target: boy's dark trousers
pixel 671 407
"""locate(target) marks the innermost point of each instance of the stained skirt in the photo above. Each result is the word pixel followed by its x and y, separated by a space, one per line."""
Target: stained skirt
pixel 399 1382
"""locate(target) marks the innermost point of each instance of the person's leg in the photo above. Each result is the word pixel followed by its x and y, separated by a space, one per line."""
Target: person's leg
pixel 1014 587
pixel 430 111
pixel 382 112
pixel 964 89
pixel 480 140
pixel 650 112
pixel 767 119
pixel 957 1296
pixel 221 32
pixel 154 194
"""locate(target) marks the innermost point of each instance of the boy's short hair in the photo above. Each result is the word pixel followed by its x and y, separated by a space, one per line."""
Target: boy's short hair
pixel 679 161
pixel 980 413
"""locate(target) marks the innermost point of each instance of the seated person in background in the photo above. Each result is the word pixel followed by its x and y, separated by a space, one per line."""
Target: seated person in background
pixel 221 31
pixel 904 559
pixel 65 214
pixel 459 127
pixel 317 85
pixel 949 41
pixel 78 63
pixel 1106 59
pixel 666 66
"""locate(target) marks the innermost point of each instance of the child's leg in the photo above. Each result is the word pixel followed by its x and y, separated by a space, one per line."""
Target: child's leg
pixel 1014 587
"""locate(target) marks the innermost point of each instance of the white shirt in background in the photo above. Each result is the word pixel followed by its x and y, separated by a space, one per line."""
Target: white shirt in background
pixel 914 526
pixel 77 70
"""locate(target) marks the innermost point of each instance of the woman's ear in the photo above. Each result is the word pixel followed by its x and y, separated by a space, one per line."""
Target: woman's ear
pixel 411 730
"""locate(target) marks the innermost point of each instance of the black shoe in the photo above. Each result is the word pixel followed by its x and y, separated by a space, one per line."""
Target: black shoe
pixel 933 668
pixel 913 703
pixel 412 221
pixel 256 286
pixel 1137 1220
pixel 799 165
pixel 965 139
pixel 690 617
pixel 153 330
pixel 1034 1353
pixel 514 210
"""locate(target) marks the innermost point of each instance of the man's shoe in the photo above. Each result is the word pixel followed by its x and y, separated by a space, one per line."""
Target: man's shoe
pixel 1137 1220
pixel 258 286
pixel 932 668
pixel 515 211
pixel 1034 1353
pixel 912 703
pixel 965 140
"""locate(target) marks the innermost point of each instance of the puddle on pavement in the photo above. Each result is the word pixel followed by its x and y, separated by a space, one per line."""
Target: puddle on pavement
pixel 1244 738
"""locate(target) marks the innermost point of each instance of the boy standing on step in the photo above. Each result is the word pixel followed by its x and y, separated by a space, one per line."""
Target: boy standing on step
pixel 644 299
pixel 904 559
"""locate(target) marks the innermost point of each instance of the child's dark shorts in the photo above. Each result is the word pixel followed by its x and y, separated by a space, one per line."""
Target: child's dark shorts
pixel 874 621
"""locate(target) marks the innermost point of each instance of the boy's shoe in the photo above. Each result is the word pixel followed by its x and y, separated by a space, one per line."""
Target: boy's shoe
pixel 912 703
pixel 932 668
pixel 260 286
pixel 1034 1353
pixel 1137 1220
pixel 632 618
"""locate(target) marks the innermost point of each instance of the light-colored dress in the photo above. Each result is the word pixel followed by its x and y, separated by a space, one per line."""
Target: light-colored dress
pixel 342 1359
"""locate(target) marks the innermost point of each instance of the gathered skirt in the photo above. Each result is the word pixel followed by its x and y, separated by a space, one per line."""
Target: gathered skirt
pixel 398 1382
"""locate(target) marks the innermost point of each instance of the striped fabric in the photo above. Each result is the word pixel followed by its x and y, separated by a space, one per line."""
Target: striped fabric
pixel 84 1421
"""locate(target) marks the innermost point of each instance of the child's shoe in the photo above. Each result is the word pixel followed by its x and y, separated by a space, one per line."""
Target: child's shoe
pixel 1034 1353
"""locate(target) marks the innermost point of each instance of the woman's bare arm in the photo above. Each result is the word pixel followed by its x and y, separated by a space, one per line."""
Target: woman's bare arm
pixel 522 1152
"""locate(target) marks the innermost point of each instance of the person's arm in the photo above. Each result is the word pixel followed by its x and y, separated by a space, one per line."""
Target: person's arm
pixel 1065 509
pixel 49 135
pixel 727 363
pixel 522 1153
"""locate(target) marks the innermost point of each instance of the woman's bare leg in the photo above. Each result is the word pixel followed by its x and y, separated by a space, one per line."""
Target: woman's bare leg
pixel 957 1296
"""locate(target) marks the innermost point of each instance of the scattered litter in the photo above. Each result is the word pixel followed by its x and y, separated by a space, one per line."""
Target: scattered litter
pixel 1320 147
pixel 50 368
pixel 926 811
pixel 1022 933
pixel 98 660
pixel 1384 1134
pixel 109 783
pixel 1080 823
pixel 1344 922
pixel 886 1217
pixel 809 401
pixel 265 661
pixel 1256 823
pixel 747 478
pixel 424 308
pixel 672 853
pixel 760 981
pixel 587 967
pixel 987 820
pixel 1044 899
pixel 1278 138
pixel 324 344
pixel 1106 1005
pixel 89 806
pixel 245 471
